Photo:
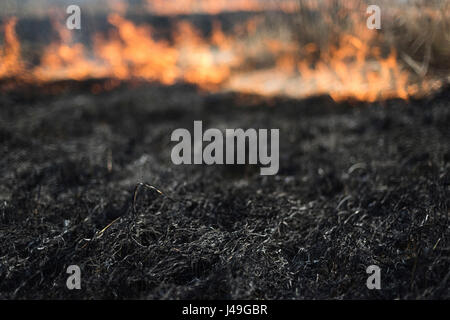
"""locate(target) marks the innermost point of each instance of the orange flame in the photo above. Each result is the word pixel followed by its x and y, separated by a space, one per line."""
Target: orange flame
pixel 132 52
pixel 10 61
pixel 352 68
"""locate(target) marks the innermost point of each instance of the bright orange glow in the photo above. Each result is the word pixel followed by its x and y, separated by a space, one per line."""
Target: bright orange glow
pixel 353 66
pixel 132 52
pixel 176 7
pixel 10 60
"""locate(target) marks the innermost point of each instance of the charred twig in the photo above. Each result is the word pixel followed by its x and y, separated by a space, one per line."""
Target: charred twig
pixel 99 234
pixel 148 186
pixel 105 228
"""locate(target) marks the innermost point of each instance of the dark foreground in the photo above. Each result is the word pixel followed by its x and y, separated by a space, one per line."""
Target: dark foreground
pixel 358 185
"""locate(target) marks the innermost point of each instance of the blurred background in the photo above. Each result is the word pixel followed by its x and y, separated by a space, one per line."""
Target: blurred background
pixel 295 48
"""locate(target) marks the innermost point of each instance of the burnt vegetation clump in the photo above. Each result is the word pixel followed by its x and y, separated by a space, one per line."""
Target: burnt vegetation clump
pixel 358 186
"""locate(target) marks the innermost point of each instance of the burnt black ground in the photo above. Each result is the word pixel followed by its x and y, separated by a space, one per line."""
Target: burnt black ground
pixel 358 185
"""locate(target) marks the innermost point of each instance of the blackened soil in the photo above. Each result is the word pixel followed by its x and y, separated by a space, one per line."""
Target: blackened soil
pixel 359 185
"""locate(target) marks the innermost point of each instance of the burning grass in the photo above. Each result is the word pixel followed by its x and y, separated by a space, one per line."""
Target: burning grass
pixel 310 48
pixel 84 122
